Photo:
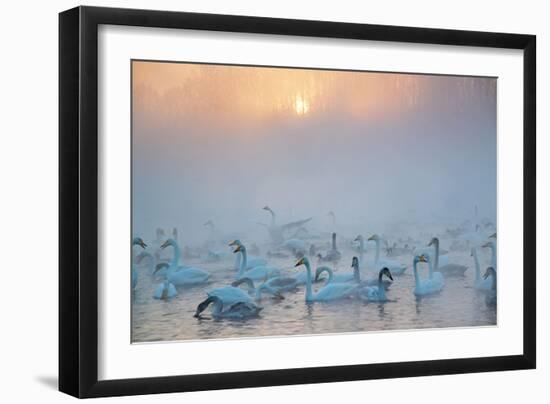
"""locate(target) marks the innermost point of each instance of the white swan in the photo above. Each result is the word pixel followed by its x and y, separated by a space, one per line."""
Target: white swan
pixel 376 293
pixel 221 309
pixel 182 275
pixel 262 272
pixel 493 246
pixel 395 267
pixel 449 269
pixel 491 296
pixel 165 291
pixel 251 261
pixel 429 286
pixel 330 292
pixel 136 241
pixel 479 283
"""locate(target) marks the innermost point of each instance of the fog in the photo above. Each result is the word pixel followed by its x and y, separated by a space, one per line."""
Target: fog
pixel 420 153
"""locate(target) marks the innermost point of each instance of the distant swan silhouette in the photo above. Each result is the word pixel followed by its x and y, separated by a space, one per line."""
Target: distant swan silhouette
pixel 262 272
pixel 479 283
pixel 449 269
pixel 221 309
pixel 395 267
pixel 136 241
pixel 376 293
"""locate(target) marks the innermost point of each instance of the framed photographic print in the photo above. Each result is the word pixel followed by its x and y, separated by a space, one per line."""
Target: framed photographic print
pixel 250 201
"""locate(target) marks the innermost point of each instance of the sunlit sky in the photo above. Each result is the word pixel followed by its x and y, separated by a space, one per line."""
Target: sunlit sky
pixel 308 141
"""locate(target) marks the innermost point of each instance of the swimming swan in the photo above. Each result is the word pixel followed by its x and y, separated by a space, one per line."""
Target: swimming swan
pixel 429 286
pixel 262 272
pixel 376 293
pixel 479 283
pixel 395 267
pixel 449 269
pixel 182 275
pixel 330 292
pixel 221 309
pixel 251 261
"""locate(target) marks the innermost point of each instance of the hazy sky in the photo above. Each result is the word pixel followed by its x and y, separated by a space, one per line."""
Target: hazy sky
pixel 220 142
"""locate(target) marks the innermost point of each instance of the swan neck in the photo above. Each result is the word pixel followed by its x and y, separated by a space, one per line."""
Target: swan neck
pixel 436 245
pixel 309 291
pixel 377 256
pixel 415 271
pixel 176 257
pixel 493 256
pixel 243 262
pixel 333 241
pixel 476 262
pixel 430 266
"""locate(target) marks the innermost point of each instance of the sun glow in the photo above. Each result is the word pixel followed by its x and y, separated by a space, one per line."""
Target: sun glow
pixel 301 105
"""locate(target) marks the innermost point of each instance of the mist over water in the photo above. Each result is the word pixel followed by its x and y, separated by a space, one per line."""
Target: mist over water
pixel 407 156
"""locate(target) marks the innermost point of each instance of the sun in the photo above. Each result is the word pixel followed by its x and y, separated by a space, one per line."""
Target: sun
pixel 301 105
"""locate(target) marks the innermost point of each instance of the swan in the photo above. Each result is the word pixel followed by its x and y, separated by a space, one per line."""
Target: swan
pixel 333 255
pixel 182 275
pixel 136 241
pixel 221 309
pixel 492 245
pixel 277 232
pixel 146 254
pixel 251 262
pixel 368 282
pixel 491 296
pixel 395 267
pixel 261 272
pixel 376 293
pixel 165 290
pixel 479 283
pixel 330 292
pixel 449 269
pixel 362 250
pixel 337 278
pixel 274 286
pixel 230 294
pixel 433 284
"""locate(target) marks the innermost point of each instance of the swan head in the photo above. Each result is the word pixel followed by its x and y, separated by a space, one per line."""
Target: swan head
pixel 204 304
pixel 319 271
pixel 494 235
pixel 302 261
pixel 160 266
pixel 374 237
pixel 235 243
pixel 489 244
pixel 167 243
pixel 240 247
pixel 208 223
pixel 267 208
pixel 359 238
pixel 421 258
pixel 433 241
pixel 355 262
pixel 488 272
pixel 139 241
pixel 386 272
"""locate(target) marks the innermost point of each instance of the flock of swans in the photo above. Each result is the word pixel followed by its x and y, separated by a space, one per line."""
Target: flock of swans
pixel 313 266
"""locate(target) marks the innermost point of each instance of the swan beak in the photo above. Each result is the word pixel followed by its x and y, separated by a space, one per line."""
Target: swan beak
pixel 234 242
pixel 142 244
pixel 430 243
pixel 389 276
pixel 165 244
pixel 486 245
pixel 239 248
pixel 300 262
pixel 422 258
pixel 371 238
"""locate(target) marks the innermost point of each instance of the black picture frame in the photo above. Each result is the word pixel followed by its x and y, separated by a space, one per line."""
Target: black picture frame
pixel 78 200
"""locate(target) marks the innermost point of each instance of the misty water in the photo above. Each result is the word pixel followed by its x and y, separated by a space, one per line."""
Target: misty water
pixel 457 305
